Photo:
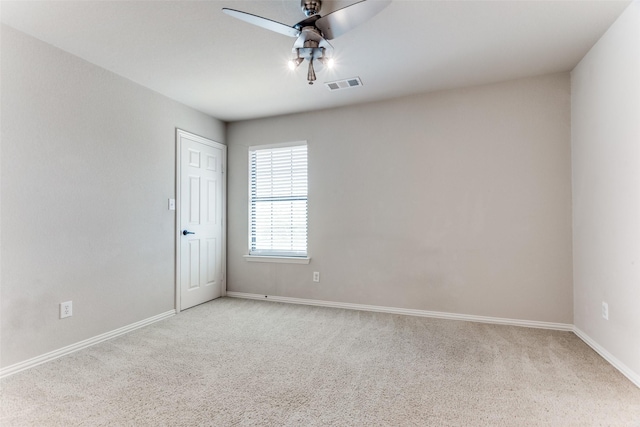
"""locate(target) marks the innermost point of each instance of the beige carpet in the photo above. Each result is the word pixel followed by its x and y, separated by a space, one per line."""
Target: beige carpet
pixel 239 362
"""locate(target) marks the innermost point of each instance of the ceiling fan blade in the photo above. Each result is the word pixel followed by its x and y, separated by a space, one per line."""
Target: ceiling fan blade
pixel 342 20
pixel 263 22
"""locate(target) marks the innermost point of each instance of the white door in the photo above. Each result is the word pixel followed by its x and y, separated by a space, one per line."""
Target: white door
pixel 201 245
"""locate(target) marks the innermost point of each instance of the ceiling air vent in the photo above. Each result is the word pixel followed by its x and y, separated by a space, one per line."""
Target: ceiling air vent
pixel 344 84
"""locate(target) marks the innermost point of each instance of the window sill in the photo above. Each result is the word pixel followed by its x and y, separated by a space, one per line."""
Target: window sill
pixel 278 259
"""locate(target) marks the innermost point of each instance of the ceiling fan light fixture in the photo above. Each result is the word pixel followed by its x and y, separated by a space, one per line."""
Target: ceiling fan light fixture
pixel 327 61
pixel 295 62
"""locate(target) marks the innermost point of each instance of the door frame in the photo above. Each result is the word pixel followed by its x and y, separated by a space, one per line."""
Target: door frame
pixel 177 229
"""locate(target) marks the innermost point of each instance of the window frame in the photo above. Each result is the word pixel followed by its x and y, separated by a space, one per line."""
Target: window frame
pixel 277 257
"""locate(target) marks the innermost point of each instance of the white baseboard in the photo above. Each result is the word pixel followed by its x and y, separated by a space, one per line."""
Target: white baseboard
pixel 409 312
pixel 624 369
pixel 47 357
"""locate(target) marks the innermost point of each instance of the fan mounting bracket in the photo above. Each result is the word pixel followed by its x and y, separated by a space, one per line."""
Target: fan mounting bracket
pixel 310 7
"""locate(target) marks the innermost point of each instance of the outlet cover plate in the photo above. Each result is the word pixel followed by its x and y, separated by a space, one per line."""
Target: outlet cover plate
pixel 66 309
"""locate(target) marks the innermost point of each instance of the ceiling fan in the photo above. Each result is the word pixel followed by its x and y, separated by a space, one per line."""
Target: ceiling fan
pixel 314 32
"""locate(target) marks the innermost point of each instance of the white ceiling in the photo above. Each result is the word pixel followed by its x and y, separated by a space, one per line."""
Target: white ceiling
pixel 191 52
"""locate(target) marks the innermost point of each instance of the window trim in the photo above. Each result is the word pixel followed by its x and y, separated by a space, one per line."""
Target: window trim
pixel 278 259
pixel 275 258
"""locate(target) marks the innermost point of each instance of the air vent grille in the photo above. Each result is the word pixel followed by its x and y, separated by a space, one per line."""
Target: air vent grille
pixel 344 84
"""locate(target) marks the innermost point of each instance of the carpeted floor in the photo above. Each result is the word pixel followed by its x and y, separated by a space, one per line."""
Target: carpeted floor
pixel 236 362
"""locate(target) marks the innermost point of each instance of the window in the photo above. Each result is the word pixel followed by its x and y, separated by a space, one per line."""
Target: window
pixel 278 200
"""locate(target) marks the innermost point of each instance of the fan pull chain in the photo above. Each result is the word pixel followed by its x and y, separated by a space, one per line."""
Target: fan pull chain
pixel 311 76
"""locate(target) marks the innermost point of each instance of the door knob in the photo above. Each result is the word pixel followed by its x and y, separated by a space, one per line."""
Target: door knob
pixel 185 232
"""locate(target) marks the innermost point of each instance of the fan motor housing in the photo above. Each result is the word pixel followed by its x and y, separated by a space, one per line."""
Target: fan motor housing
pixel 311 7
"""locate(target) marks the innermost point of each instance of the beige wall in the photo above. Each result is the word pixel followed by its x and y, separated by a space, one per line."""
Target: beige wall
pixel 458 201
pixel 87 166
pixel 606 190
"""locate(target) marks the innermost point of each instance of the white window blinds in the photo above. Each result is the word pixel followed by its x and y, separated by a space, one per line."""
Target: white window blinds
pixel 278 205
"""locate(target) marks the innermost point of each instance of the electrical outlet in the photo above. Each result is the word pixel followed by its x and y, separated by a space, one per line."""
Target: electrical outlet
pixel 605 310
pixel 66 309
pixel 316 276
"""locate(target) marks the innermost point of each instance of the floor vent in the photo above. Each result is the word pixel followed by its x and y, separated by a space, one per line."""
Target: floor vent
pixel 344 84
